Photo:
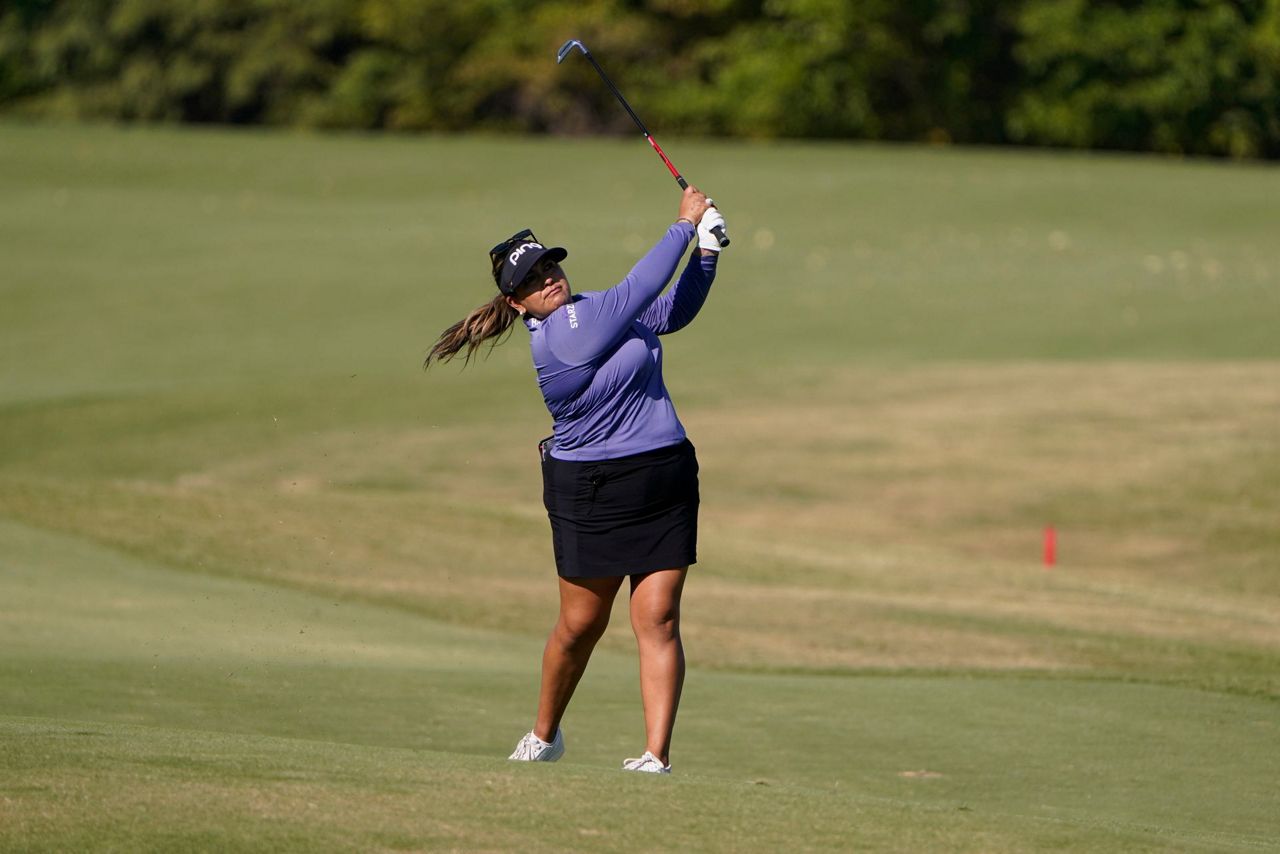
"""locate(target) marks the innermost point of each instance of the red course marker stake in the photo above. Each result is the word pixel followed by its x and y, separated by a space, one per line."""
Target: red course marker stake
pixel 1050 547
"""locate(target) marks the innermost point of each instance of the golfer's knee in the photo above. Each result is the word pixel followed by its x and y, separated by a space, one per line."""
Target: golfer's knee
pixel 578 630
pixel 658 627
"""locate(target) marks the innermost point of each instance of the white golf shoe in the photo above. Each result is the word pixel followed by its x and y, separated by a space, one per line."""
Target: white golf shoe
pixel 533 749
pixel 648 763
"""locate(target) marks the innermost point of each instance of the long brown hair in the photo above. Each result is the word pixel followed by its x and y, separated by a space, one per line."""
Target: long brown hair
pixel 493 320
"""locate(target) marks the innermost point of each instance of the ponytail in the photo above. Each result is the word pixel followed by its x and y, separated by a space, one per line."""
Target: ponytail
pixel 492 320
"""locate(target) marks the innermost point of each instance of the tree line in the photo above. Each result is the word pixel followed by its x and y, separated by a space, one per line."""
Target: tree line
pixel 1195 77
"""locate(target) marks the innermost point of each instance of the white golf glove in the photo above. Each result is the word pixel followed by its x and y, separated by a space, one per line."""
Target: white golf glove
pixel 710 219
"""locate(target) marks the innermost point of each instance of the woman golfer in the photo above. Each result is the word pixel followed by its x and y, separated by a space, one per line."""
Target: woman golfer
pixel 620 480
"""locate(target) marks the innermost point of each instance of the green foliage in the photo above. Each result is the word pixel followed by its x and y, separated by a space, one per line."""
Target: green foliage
pixel 1194 76
pixel 152 60
pixel 796 70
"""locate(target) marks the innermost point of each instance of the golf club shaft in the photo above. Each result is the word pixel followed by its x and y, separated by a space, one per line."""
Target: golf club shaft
pixel 653 143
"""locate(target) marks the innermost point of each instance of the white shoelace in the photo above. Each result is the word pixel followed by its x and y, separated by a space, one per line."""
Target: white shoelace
pixel 530 747
pixel 648 762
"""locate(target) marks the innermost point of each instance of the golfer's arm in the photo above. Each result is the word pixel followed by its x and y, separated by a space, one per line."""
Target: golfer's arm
pixel 675 309
pixel 607 315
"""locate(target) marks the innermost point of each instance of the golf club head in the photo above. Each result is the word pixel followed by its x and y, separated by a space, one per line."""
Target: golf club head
pixel 567 47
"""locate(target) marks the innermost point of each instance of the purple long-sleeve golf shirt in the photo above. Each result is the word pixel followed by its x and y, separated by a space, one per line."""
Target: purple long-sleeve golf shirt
pixel 599 360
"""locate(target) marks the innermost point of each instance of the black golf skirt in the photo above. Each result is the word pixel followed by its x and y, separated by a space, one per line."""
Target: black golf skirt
pixel 625 516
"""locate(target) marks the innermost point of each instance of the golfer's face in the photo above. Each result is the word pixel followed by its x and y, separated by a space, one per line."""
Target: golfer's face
pixel 544 290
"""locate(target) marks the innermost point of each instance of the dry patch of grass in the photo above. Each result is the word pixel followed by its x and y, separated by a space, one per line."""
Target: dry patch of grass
pixel 977 459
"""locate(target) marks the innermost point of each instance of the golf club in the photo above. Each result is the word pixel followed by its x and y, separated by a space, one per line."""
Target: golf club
pixel 564 51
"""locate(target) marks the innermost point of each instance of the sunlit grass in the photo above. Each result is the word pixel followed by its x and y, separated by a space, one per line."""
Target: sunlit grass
pixel 236 506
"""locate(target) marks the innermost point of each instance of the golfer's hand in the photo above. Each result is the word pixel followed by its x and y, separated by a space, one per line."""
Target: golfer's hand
pixel 693 205
pixel 711 219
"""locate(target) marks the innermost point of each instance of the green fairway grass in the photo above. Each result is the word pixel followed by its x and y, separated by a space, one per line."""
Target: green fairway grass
pixel 175 705
pixel 266 585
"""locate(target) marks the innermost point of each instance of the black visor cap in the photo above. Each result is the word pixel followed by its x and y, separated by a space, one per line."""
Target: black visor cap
pixel 515 259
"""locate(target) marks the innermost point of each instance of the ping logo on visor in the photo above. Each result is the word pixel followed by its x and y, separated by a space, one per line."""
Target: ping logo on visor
pixel 515 256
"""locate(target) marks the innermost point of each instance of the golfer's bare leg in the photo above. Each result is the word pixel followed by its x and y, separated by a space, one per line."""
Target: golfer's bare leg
pixel 584 613
pixel 655 618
